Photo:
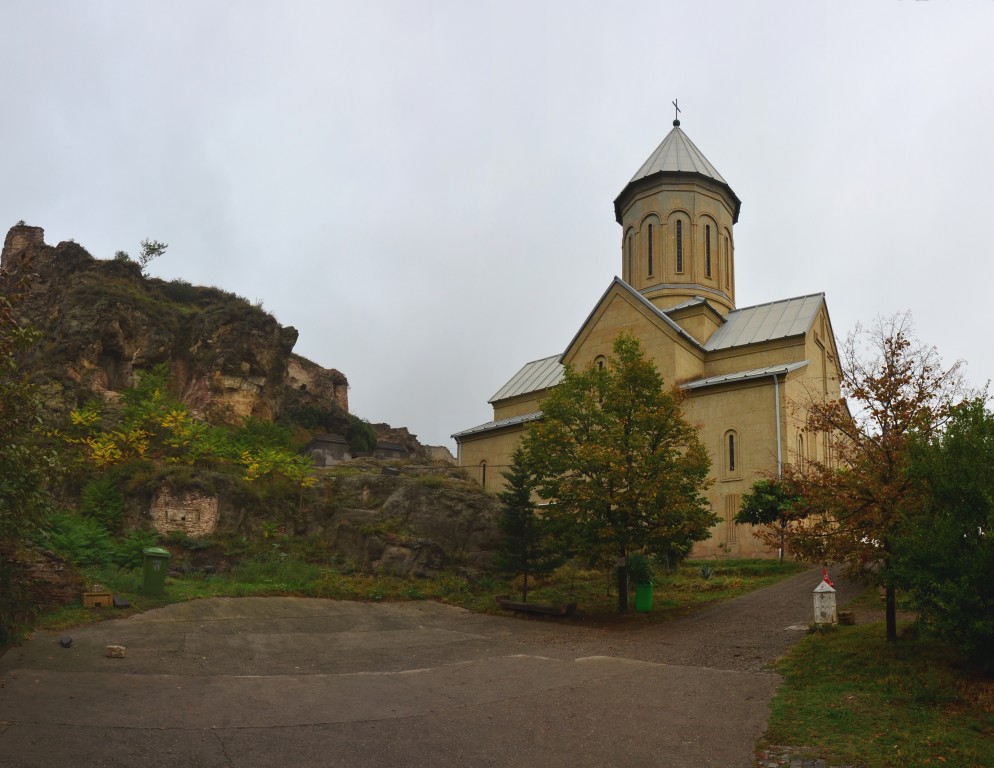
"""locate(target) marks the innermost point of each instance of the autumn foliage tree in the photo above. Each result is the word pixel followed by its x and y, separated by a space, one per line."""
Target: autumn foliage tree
pixel 623 470
pixel 859 500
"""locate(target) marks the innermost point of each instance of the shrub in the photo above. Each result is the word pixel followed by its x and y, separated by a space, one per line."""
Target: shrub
pixel 129 549
pixel 101 501
pixel 181 291
pixel 80 540
pixel 361 435
pixel 945 556
pixel 312 417
pixel 431 481
pixel 183 540
pixel 256 433
pixel 640 569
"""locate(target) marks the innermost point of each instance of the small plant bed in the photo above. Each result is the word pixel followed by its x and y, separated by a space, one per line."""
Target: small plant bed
pixel 851 698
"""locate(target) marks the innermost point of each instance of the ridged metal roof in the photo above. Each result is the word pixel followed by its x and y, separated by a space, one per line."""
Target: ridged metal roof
pixel 617 281
pixel 694 302
pixel 764 322
pixel 677 153
pixel 753 373
pixel 508 422
pixel 749 325
pixel 534 376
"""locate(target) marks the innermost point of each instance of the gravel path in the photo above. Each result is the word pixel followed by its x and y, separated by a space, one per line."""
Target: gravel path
pixel 746 634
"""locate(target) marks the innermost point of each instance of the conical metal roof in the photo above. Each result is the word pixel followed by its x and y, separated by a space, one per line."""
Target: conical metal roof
pixel 677 154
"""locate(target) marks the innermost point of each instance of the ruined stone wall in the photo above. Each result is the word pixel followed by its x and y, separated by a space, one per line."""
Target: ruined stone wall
pixel 439 453
pixel 312 384
pixel 195 514
pixel 19 238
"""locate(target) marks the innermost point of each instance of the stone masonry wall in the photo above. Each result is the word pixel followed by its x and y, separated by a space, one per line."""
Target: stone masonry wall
pixel 193 513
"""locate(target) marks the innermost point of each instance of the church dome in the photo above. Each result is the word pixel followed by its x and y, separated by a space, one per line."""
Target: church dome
pixel 676 154
pixel 677 215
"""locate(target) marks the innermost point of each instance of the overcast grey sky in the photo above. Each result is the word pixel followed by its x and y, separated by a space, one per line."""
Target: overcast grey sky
pixel 424 189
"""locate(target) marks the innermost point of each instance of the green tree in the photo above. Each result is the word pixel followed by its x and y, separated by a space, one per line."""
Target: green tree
pixel 622 468
pixel 945 557
pixel 897 392
pixel 25 463
pixel 526 546
pixel 773 505
pixel 101 500
pixel 150 249
pixel 360 435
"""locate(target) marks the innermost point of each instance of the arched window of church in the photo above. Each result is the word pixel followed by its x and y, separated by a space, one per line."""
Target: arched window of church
pixel 630 262
pixel 824 371
pixel 650 249
pixel 679 245
pixel 732 451
pixel 483 473
pixel 707 250
pixel 800 447
pixel 600 361
pixel 728 267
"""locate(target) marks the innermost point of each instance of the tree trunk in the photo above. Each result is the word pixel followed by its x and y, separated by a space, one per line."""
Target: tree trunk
pixel 524 588
pixel 622 588
pixel 783 537
pixel 891 601
pixel 890 594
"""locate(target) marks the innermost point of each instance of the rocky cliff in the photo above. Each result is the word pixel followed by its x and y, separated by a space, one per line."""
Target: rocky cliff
pixel 102 322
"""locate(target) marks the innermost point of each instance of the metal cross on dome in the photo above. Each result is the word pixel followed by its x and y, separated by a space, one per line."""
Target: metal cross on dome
pixel 676 115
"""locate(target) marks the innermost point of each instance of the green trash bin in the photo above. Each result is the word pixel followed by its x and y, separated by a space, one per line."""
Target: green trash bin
pixel 156 564
pixel 643 597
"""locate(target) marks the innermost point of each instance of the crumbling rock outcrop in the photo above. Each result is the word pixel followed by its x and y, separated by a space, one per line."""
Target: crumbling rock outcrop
pixel 412 520
pixel 102 322
pixel 43 578
pixel 401 436
pixel 422 520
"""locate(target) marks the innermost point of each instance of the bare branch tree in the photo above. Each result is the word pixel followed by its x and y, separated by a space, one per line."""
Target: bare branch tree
pixel 895 390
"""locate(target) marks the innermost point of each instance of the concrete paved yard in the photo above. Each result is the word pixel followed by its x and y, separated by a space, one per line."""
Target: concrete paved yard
pixel 300 682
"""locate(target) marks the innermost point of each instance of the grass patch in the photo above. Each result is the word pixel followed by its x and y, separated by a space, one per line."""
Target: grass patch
pixel 854 699
pixel 680 591
pixel 302 568
pixel 432 481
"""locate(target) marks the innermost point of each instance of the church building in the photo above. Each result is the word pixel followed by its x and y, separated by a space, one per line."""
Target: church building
pixel 746 372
